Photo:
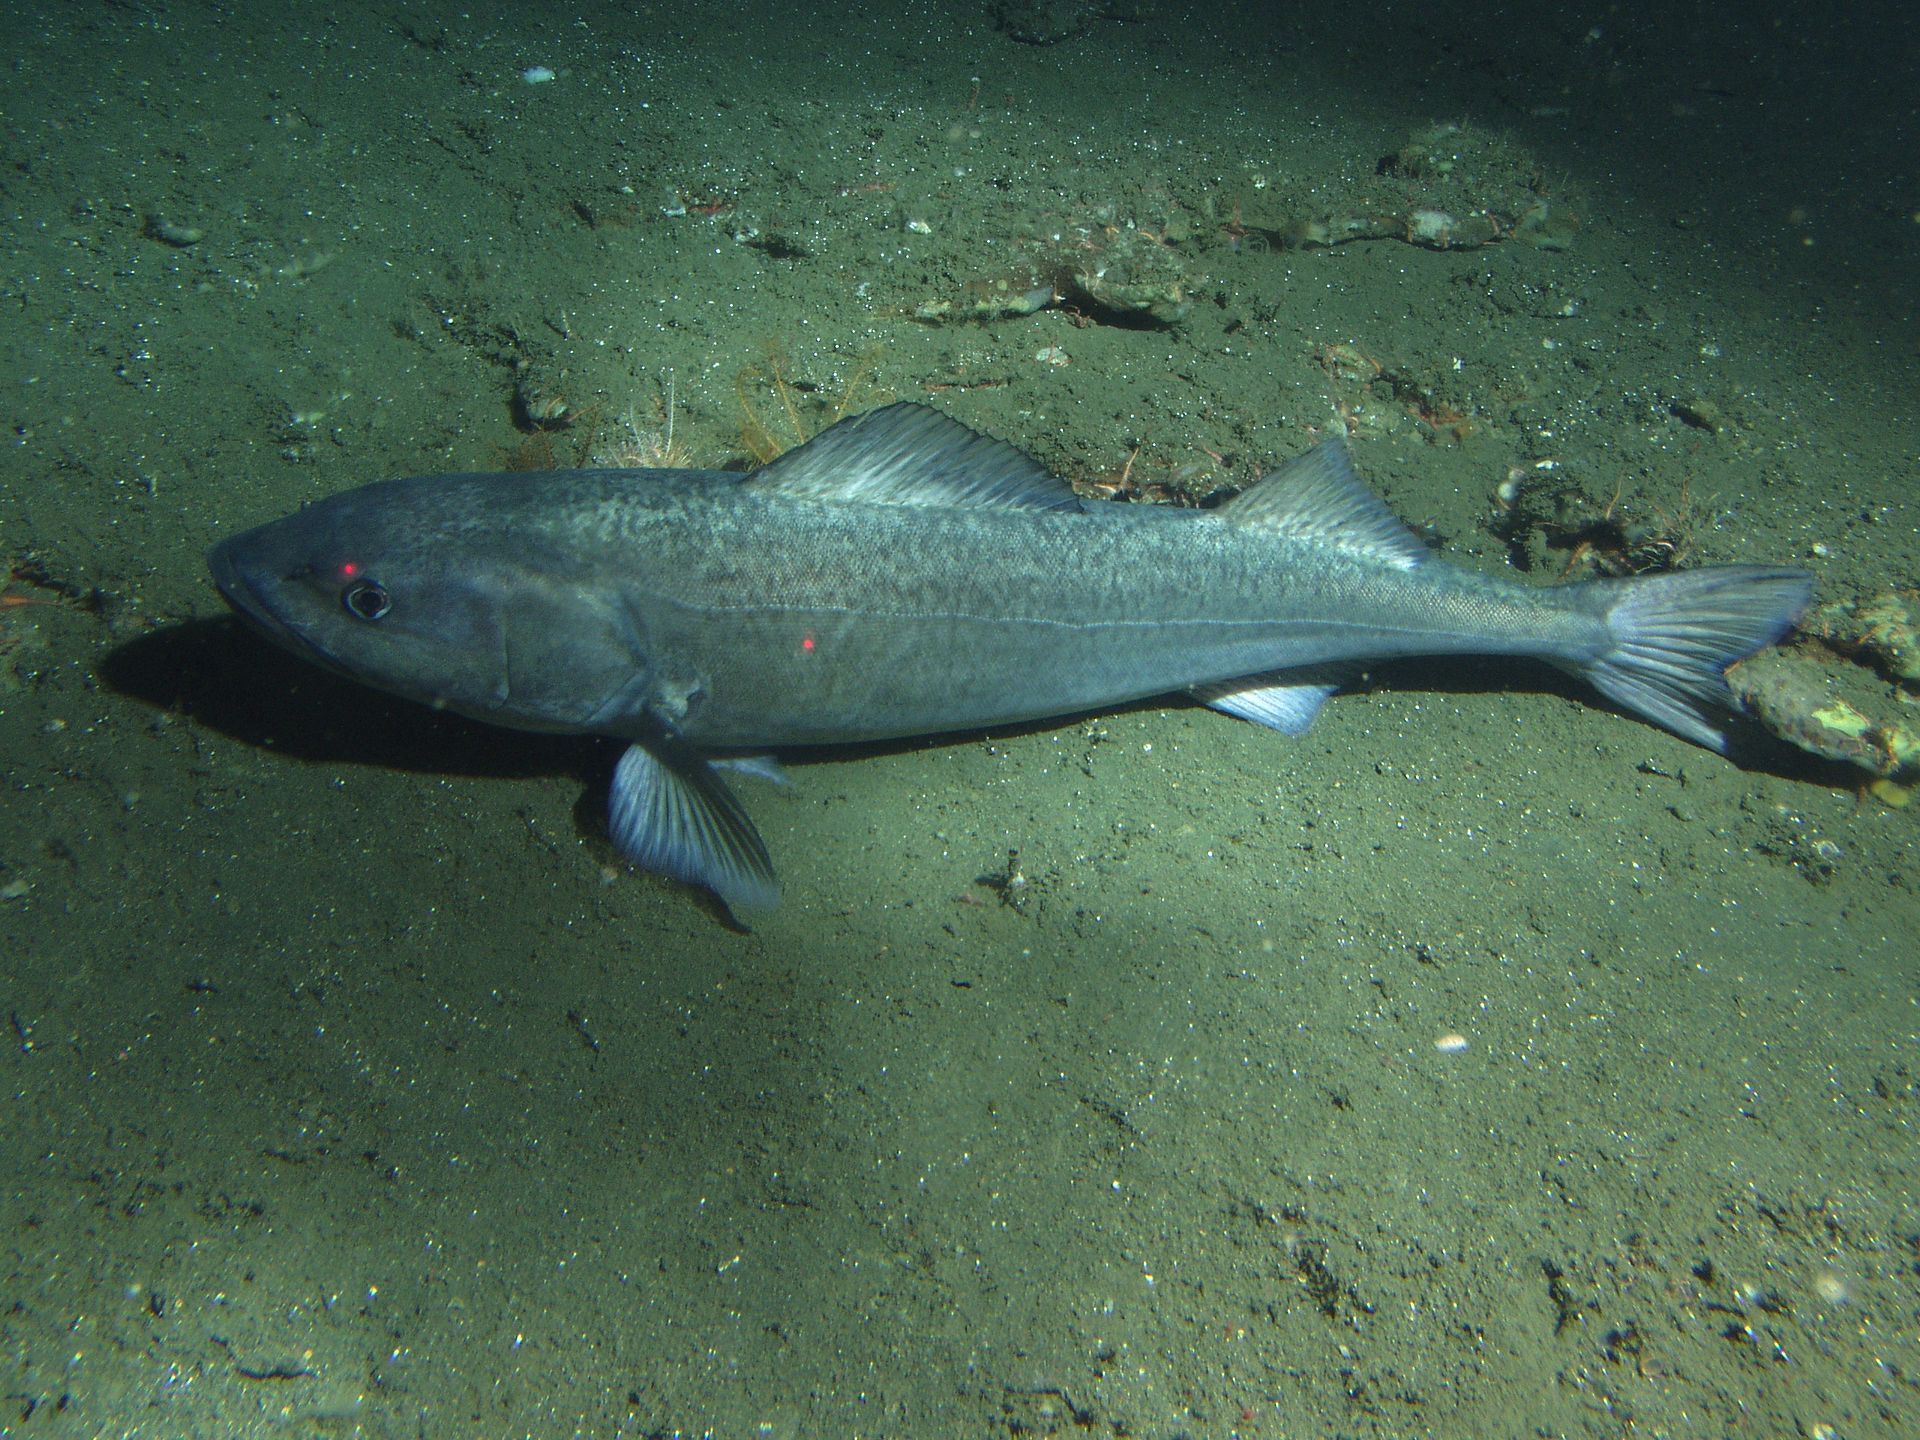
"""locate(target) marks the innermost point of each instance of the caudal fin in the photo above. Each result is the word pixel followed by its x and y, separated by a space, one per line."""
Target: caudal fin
pixel 1675 635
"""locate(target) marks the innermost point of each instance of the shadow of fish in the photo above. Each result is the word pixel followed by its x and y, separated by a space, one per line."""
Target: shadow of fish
pixel 901 574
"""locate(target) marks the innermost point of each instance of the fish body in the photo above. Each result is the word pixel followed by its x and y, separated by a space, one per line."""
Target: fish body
pixel 903 575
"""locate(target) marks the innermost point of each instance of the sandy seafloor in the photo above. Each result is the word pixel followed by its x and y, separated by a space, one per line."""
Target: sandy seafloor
pixel 353 1086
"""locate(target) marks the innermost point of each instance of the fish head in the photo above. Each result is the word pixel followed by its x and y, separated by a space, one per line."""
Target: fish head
pixel 404 586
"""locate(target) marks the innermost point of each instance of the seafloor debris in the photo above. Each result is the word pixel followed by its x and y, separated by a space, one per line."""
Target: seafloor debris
pixel 1881 628
pixel 1048 22
pixel 1553 523
pixel 1449 187
pixel 1097 266
pixel 1812 696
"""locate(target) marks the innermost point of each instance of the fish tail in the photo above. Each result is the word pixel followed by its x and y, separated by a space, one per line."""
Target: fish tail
pixel 1674 636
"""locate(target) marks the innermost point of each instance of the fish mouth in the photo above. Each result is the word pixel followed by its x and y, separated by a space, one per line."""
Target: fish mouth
pixel 232 574
pixel 226 575
pixel 255 581
pixel 237 573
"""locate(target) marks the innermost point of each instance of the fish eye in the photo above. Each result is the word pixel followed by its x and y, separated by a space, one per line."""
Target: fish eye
pixel 366 600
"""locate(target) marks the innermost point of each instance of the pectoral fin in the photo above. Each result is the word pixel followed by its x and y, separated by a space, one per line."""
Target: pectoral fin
pixel 669 812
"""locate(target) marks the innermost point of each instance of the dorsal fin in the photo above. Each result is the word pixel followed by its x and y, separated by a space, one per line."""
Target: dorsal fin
pixel 907 454
pixel 1317 496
